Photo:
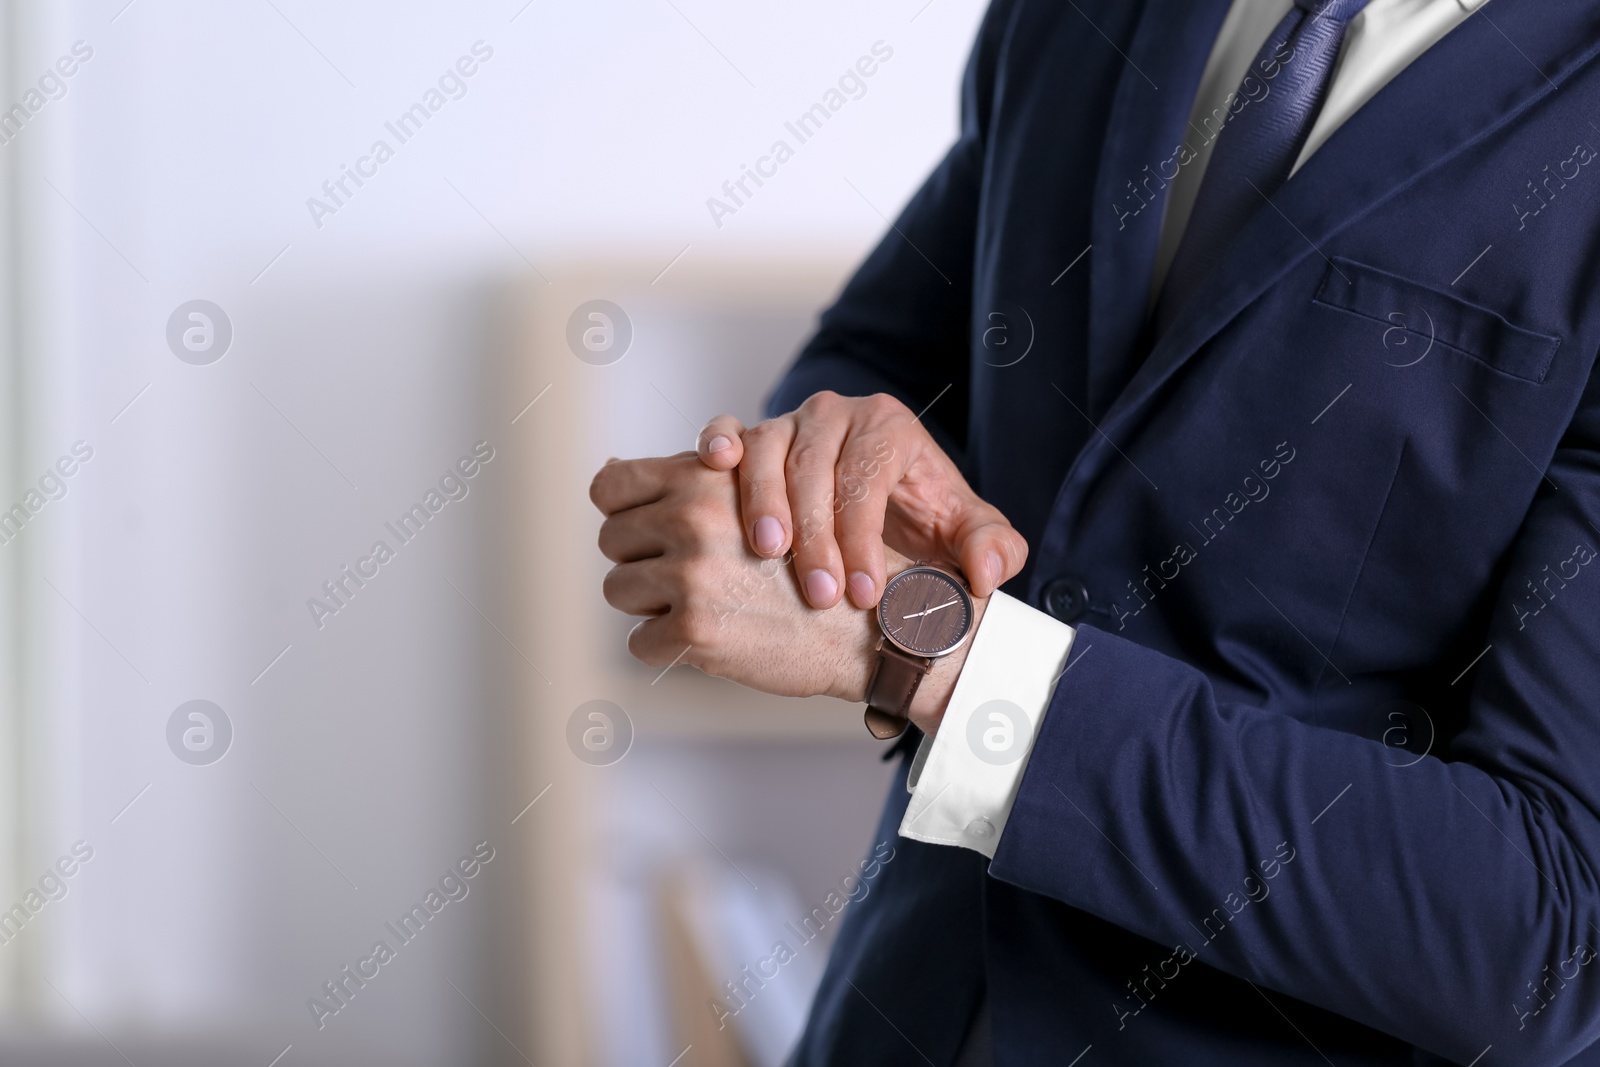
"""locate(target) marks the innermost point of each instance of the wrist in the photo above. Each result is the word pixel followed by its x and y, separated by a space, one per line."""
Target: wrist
pixel 859 661
pixel 933 691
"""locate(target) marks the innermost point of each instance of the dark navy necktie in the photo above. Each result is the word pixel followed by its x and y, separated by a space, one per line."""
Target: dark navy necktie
pixel 1256 147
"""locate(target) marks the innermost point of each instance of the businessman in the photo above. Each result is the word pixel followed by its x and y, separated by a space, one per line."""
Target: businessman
pixel 1207 465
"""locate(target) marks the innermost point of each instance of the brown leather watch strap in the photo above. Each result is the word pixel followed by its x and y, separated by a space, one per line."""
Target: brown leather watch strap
pixel 894 683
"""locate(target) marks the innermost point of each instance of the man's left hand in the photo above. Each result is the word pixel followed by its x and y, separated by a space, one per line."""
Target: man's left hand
pixel 672 528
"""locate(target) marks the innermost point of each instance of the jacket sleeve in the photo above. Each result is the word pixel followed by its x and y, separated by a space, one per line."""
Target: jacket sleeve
pixel 901 326
pixel 1451 902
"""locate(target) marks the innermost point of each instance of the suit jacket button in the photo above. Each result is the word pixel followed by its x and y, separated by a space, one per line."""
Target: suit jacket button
pixel 1066 598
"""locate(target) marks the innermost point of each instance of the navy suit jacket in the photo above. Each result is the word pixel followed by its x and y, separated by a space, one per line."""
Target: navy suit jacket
pixel 1322 782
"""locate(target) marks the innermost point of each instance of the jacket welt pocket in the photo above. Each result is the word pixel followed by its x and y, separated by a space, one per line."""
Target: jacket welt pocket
pixel 1433 314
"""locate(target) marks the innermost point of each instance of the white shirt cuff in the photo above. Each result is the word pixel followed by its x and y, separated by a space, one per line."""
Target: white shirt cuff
pixel 964 780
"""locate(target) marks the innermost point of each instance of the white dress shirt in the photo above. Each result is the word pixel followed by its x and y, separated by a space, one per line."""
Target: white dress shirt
pixel 964 780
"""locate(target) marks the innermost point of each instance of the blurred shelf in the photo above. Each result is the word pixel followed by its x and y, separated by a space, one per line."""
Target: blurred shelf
pixel 708 336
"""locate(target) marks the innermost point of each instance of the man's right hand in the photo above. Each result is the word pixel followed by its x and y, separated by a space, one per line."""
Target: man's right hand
pixel 840 477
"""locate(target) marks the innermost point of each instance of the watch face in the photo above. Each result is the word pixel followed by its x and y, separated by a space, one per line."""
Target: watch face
pixel 925 611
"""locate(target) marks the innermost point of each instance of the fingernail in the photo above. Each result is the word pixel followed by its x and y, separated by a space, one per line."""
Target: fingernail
pixel 717 444
pixel 769 535
pixel 821 588
pixel 861 588
pixel 992 561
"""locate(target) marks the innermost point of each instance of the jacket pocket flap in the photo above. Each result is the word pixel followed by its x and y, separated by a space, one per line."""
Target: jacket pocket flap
pixel 1439 316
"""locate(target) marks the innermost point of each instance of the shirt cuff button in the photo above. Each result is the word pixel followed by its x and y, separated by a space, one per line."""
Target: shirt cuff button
pixel 982 829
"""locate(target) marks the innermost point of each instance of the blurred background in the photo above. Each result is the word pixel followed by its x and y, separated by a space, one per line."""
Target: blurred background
pixel 284 281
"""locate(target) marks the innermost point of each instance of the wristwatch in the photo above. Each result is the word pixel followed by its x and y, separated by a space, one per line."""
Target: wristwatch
pixel 925 612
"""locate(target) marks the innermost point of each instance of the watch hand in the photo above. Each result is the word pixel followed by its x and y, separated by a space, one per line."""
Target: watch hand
pixel 930 611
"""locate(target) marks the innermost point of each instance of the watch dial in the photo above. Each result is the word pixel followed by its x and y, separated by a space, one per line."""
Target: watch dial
pixel 925 611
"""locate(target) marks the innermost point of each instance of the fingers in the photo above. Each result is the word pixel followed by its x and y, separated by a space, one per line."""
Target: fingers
pixel 632 535
pixel 638 588
pixel 719 445
pixel 869 468
pixel 763 500
pixel 963 526
pixel 825 482
pixel 655 643
pixel 811 476
pixel 628 483
pixel 991 551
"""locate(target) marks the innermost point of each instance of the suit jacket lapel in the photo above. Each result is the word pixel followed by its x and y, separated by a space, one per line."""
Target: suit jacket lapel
pixel 1149 117
pixel 1458 92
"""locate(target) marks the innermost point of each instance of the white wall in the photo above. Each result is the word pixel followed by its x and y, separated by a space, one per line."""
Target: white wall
pixel 364 361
